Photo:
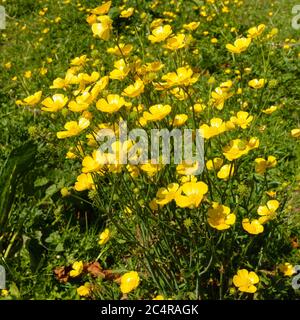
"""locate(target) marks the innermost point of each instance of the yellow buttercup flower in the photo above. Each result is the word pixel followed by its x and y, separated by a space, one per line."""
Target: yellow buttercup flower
pixel 220 217
pixel 295 133
pixel 253 227
pixel 270 110
pixel 166 195
pixel 151 168
pixel 153 66
pixel 54 104
pixel 111 104
pixel 156 23
pixel 226 171
pixel 60 83
pixel 104 28
pixel 104 236
pixel 253 143
pixel 91 19
pixel 214 164
pixel 82 102
pixel 268 212
pixel 84 182
pixel 256 31
pixel 121 50
pixel 257 83
pixel 245 281
pixel 217 126
pixel 7 65
pixel 160 33
pixel 177 42
pixel 153 205
pixel 31 100
pixel 84 78
pixel 88 115
pixel 28 74
pixel 229 125
pixel 159 297
pixel 235 149
pixel 73 128
pixel 4 293
pixel 271 193
pixel 77 268
pixel 133 170
pixel 85 290
pixel 102 9
pixel 212 80
pixel 79 61
pixel 98 87
pixel 129 281
pixel 93 163
pixel 127 13
pixel 147 71
pixel 242 119
pixel 84 98
pixel 64 192
pixel 179 93
pixel 219 96
pixel 192 196
pixel 157 112
pixel 179 120
pixel 225 9
pixel 287 269
pixel 183 76
pixel 191 26
pixel 134 90
pixel 239 46
pixel 43 71
pixel 188 178
pixel 226 86
pixel 273 33
pixel 78 106
pixel 261 165
pixel 121 70
pixel 199 107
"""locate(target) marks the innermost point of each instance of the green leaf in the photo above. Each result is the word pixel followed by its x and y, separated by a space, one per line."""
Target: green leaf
pixel 14 291
pixel 35 253
pixel 39 182
pixel 59 247
pixel 16 166
pixel 51 190
pixel 114 12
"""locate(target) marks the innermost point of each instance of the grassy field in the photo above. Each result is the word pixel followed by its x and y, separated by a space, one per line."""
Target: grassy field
pixel 72 227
